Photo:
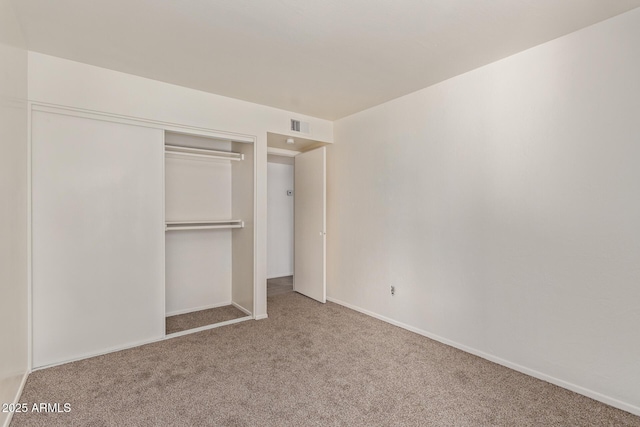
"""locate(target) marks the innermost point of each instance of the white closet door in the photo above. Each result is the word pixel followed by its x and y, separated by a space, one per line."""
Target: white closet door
pixel 98 236
pixel 310 198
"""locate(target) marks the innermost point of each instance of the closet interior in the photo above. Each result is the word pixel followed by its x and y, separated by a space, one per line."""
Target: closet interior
pixel 209 237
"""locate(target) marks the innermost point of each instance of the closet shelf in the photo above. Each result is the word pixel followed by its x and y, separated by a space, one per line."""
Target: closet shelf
pixel 203 225
pixel 201 152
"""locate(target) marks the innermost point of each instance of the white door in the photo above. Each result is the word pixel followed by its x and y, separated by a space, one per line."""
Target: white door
pixel 98 236
pixel 310 200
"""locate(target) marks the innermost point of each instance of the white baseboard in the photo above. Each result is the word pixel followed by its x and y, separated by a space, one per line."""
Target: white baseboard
pixel 16 399
pixel 161 338
pixel 241 308
pixel 145 342
pixel 207 327
pixel 275 276
pixel 262 316
pixel 102 352
pixel 516 367
pixel 204 307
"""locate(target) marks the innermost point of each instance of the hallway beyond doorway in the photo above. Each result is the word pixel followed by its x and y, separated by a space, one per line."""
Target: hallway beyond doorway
pixel 279 285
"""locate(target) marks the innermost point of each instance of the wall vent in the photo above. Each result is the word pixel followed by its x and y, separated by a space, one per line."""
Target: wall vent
pixel 298 126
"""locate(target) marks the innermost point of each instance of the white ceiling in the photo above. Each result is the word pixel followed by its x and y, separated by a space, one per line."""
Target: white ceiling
pixel 276 140
pixel 324 58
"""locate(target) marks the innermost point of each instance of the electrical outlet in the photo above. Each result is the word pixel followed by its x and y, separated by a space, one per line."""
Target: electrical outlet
pixel 393 290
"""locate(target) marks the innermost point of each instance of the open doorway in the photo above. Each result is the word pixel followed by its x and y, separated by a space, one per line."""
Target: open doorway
pixel 280 224
pixel 296 216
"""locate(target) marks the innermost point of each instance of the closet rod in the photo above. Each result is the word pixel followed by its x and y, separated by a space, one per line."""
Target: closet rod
pixel 222 221
pixel 200 152
pixel 202 227
pixel 207 156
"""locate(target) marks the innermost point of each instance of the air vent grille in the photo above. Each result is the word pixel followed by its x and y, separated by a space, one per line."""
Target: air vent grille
pixel 298 126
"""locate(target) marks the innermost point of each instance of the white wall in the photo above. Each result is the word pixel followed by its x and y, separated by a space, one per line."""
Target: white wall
pixel 279 220
pixel 242 241
pixel 13 207
pixel 61 82
pixel 503 205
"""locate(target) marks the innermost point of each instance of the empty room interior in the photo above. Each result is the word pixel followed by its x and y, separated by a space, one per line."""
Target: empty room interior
pixel 309 213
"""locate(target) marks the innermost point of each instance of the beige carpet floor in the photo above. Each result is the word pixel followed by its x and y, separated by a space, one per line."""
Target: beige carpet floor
pixel 279 285
pixel 183 322
pixel 307 365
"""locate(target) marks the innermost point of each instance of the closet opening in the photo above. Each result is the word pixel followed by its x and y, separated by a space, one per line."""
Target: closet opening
pixel 209 232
